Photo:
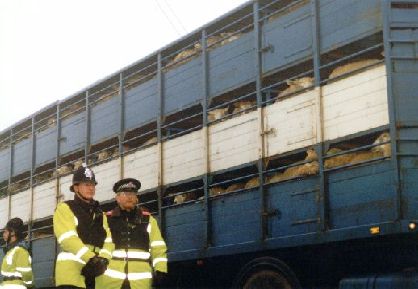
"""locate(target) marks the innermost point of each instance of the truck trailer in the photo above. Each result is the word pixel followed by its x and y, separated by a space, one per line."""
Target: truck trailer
pixel 276 145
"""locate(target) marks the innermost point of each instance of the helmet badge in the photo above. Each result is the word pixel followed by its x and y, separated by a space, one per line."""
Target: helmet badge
pixel 88 173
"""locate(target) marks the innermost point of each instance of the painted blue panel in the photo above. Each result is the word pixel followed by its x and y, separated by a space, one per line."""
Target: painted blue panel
pixel 46 145
pixel 236 218
pixel 410 192
pixel 362 195
pixel 291 38
pixel 185 227
pixel 343 21
pixel 105 119
pixel 22 156
pixel 405 87
pixel 141 104
pixel 231 65
pixel 43 255
pixel 4 164
pixel 296 204
pixel 73 133
pixel 403 46
pixel 404 15
pixel 183 85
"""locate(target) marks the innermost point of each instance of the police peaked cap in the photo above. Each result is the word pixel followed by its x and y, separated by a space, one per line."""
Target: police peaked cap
pixel 83 175
pixel 127 185
pixel 16 225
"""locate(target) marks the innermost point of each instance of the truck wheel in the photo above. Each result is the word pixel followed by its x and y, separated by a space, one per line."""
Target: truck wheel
pixel 266 273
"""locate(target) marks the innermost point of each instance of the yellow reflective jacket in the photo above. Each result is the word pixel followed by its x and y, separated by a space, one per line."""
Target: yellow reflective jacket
pixel 74 252
pixel 16 268
pixel 132 259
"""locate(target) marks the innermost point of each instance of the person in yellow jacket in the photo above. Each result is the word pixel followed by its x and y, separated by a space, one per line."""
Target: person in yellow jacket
pixel 16 268
pixel 140 253
pixel 83 235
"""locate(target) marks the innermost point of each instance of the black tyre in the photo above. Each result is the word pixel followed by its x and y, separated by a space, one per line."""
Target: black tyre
pixel 266 273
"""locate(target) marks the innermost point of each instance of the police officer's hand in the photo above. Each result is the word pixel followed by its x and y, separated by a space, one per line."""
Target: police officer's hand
pixel 95 266
pixel 159 278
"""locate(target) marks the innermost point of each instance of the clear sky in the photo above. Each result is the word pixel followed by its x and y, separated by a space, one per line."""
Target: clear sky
pixel 51 49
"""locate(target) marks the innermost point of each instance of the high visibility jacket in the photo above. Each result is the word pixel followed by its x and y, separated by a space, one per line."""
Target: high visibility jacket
pixel 16 268
pixel 82 232
pixel 139 250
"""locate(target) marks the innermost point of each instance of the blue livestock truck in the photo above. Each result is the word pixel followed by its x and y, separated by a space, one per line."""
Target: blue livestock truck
pixel 277 146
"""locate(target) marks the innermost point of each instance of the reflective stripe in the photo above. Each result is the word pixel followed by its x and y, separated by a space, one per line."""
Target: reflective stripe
pixel 105 251
pixel 66 256
pixel 9 257
pixel 131 276
pixel 28 282
pixel 12 286
pixel 11 274
pixel 136 255
pixel 30 259
pixel 24 269
pixel 108 240
pixel 67 235
pixel 75 221
pixel 149 228
pixel 81 252
pixel 157 260
pixel 157 243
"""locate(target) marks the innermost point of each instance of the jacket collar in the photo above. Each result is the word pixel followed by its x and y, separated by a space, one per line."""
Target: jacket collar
pixel 87 206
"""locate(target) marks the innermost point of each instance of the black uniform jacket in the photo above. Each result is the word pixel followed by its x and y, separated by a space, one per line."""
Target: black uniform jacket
pixel 129 229
pixel 90 221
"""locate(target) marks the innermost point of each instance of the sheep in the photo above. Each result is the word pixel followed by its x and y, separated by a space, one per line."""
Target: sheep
pixel 211 42
pixel 115 152
pixel 216 191
pixel 217 114
pixel 355 65
pixel 228 37
pixel 63 170
pixel 384 149
pixel 103 155
pixel 182 57
pixel 152 140
pixel 253 182
pixel 307 169
pixel 337 161
pixel 14 187
pixel 185 197
pixel 296 85
pixel 235 187
pixel 78 164
pixel 242 105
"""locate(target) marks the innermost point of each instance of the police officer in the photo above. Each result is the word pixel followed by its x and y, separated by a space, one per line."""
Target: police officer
pixel 16 268
pixel 83 235
pixel 140 251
